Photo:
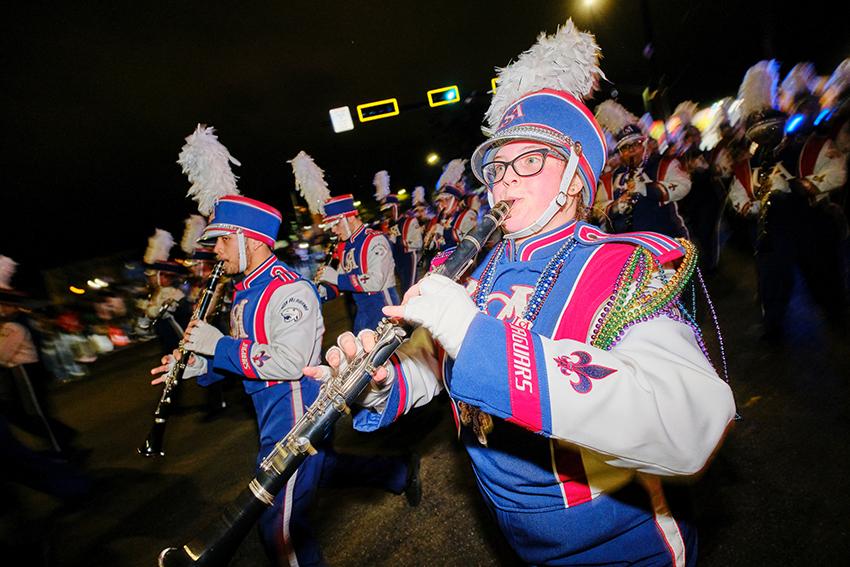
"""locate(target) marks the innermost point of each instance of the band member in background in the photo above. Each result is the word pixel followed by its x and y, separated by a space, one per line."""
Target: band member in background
pixel 780 187
pixel 453 219
pixel 276 330
pixel 405 236
pixel 834 122
pixel 574 396
pixel 367 270
pixel 165 280
pixel 702 208
pixel 646 185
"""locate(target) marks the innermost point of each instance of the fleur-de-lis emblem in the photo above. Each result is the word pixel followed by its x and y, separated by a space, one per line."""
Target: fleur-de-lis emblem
pixel 260 358
pixel 583 370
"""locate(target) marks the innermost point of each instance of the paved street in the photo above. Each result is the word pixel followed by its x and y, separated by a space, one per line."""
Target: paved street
pixel 776 494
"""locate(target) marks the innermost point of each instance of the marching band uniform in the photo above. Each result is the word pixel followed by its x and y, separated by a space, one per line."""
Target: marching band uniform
pixel 276 330
pixel 586 407
pixel 641 196
pixel 780 187
pixel 162 275
pixel 405 236
pixel 455 220
pixel 708 170
pixel 367 270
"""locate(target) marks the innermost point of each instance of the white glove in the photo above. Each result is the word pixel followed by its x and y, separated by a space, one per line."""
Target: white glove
pixel 640 181
pixel 196 367
pixel 444 308
pixel 330 275
pixel 202 338
pixel 779 179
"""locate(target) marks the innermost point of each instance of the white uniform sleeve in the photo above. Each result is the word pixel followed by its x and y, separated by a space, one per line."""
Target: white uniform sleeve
pixel 464 224
pixel 830 169
pixel 740 199
pixel 652 403
pixel 293 324
pixel 380 266
pixel 676 182
pixel 413 237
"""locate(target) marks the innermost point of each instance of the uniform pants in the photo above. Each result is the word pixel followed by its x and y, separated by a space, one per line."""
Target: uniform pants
pixel 406 265
pixel 369 307
pixel 284 527
pixel 622 528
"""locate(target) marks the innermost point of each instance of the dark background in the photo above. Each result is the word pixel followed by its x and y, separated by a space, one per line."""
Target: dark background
pixel 97 97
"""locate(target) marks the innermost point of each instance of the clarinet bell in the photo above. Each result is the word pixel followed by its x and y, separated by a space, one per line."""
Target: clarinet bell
pixel 153 447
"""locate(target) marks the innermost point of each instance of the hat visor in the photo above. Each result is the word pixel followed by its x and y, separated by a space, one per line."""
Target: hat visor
pixel 629 139
pixel 333 219
pixel 483 153
pixel 210 235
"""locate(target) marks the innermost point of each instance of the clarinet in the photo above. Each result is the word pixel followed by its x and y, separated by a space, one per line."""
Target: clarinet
pixel 152 447
pixel 216 545
pixel 328 260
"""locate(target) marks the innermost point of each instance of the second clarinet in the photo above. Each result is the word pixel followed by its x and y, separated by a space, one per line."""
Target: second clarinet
pixel 153 444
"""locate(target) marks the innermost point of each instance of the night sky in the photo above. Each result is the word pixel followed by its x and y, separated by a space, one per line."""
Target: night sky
pixel 97 97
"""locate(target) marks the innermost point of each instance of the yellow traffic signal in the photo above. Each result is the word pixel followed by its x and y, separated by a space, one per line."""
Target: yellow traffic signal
pixel 445 95
pixel 377 110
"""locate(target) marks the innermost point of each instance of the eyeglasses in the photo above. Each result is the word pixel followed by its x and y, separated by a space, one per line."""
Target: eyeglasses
pixel 631 146
pixel 525 165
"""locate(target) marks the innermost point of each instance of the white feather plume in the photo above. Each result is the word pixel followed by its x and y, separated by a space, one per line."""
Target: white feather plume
pixel 452 173
pixel 382 185
pixel 837 84
pixel 419 195
pixel 719 115
pixel 800 79
pixel 159 246
pixel 758 89
pixel 206 162
pixel 310 182
pixel 195 226
pixel 613 116
pixel 7 270
pixel 566 61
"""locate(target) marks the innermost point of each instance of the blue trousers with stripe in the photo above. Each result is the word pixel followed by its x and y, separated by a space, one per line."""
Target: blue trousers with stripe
pixel 612 529
pixel 284 527
pixel 369 307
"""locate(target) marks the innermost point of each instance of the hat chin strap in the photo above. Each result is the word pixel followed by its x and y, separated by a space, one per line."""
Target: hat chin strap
pixel 557 203
pixel 243 251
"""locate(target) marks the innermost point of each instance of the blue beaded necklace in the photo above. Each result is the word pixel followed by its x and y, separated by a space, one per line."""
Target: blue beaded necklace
pixel 542 288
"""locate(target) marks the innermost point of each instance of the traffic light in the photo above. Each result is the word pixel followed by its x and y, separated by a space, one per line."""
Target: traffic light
pixel 377 110
pixel 445 95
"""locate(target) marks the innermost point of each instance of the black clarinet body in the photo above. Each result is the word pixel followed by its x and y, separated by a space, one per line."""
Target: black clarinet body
pixel 153 445
pixel 216 545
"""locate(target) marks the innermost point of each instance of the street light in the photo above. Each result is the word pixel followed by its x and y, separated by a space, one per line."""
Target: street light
pixel 402 192
pixel 432 159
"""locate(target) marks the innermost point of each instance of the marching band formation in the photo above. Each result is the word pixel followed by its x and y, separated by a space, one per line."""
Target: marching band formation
pixel 570 350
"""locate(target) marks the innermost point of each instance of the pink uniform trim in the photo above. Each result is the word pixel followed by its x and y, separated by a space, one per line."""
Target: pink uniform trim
pixel 523 381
